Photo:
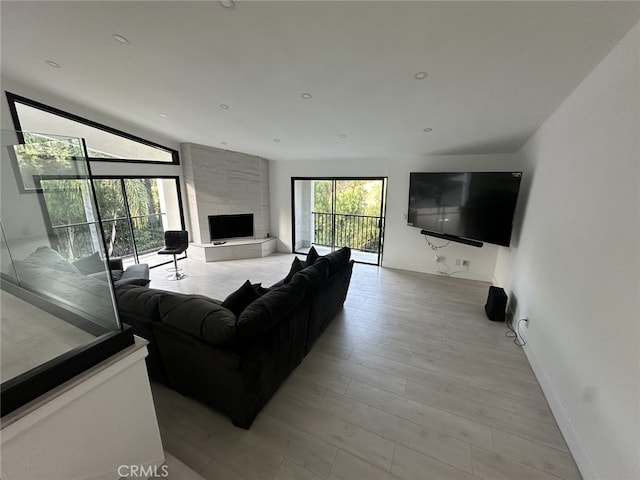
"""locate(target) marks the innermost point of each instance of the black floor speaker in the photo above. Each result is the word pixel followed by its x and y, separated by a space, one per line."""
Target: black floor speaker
pixel 496 304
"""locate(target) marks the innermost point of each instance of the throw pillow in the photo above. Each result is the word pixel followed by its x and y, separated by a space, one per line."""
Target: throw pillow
pixel 259 289
pixel 91 264
pixel 338 259
pixel 49 258
pixel 241 298
pixel 45 257
pixel 296 266
pixel 315 275
pixel 312 256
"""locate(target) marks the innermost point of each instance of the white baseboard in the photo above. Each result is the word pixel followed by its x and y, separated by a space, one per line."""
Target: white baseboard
pixel 584 463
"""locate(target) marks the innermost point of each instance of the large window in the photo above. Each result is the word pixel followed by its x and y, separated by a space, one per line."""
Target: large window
pixel 135 212
pixel 103 143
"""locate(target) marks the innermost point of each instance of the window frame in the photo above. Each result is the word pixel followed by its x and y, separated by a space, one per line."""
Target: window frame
pixel 164 177
pixel 12 99
pixel 383 210
pixel 50 228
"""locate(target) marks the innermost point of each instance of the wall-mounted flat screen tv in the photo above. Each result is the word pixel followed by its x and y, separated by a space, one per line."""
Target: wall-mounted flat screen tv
pixel 470 205
pixel 230 226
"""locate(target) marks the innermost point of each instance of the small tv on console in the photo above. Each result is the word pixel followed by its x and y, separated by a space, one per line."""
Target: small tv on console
pixel 230 226
pixel 469 207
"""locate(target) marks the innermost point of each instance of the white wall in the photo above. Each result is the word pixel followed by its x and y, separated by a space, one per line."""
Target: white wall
pixel 404 247
pixel 303 203
pixel 576 272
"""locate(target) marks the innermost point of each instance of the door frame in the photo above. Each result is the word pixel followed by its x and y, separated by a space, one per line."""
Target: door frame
pixel 122 179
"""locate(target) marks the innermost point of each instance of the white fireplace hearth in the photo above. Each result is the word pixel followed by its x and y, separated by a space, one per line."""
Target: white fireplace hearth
pixel 236 249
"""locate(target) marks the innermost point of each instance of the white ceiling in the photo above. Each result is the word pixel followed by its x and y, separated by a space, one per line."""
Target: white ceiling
pixel 496 70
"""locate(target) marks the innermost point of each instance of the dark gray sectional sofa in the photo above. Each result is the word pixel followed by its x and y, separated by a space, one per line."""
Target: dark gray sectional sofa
pixel 233 355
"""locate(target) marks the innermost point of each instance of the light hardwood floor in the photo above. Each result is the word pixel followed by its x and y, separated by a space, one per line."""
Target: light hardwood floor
pixel 410 381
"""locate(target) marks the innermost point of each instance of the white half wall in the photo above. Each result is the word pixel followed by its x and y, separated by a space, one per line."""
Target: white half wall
pixel 95 426
pixel 575 272
pixel 404 247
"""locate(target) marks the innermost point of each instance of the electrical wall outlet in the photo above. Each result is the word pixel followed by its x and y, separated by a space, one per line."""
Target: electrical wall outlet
pixel 458 262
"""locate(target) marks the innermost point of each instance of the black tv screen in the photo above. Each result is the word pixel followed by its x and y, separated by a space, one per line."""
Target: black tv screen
pixel 473 205
pixel 230 226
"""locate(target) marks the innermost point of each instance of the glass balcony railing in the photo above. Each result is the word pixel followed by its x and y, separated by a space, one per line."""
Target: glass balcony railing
pixel 57 298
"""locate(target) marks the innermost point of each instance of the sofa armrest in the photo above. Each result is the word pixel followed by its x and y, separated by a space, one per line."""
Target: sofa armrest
pixel 141 270
pixel 135 275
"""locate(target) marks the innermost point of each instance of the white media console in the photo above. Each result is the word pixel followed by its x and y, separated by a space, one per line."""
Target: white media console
pixel 233 249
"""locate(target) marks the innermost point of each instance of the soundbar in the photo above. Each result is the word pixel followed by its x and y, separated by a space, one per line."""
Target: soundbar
pixel 452 238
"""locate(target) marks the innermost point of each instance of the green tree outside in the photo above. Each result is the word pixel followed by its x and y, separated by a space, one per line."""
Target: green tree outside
pixel 354 199
pixel 68 200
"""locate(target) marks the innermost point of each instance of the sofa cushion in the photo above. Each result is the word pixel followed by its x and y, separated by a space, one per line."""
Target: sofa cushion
pixel 241 298
pixel 269 309
pixel 200 317
pixel 312 256
pixel 138 302
pixel 296 266
pixel 91 264
pixel 338 259
pixel 315 275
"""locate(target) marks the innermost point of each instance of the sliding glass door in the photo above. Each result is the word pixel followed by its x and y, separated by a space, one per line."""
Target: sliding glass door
pixel 135 213
pixel 329 213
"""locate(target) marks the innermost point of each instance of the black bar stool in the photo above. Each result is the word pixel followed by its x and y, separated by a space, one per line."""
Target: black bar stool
pixel 175 243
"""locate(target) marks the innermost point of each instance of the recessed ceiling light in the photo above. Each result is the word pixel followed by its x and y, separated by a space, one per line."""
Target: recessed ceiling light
pixel 427 130
pixel 306 96
pixel 277 140
pixel 343 135
pixel 420 75
pixel 227 3
pixel 163 115
pixel 120 39
pixel 51 63
pixel 224 107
